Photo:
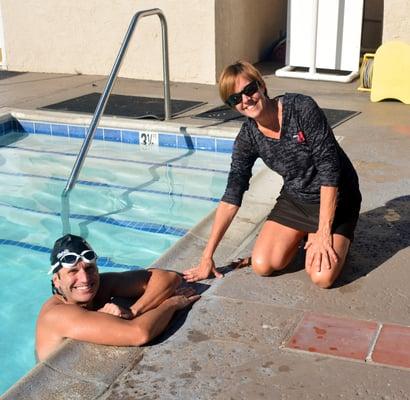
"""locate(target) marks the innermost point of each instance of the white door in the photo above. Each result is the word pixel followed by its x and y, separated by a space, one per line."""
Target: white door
pixel 338 34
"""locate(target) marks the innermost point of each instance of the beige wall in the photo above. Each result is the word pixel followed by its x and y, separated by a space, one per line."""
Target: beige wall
pixel 396 25
pixel 84 36
pixel 244 29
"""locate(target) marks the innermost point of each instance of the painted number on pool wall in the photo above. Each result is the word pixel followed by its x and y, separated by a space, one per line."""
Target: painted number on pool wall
pixel 148 138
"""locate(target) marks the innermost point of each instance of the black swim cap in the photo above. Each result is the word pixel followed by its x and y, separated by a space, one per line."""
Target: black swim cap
pixel 67 244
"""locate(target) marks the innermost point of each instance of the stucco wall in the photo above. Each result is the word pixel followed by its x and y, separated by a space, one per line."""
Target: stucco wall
pixel 77 36
pixel 245 29
pixel 396 23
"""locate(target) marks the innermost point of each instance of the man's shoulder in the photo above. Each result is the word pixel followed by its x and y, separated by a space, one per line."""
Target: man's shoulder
pixel 54 309
pixel 50 303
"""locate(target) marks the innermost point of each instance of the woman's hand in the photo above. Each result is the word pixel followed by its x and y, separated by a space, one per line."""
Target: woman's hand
pixel 319 251
pixel 202 271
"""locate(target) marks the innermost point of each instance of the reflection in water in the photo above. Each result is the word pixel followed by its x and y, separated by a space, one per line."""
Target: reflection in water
pixel 125 197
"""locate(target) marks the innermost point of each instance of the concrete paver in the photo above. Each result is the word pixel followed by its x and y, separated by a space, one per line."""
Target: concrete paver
pixel 393 346
pixel 340 337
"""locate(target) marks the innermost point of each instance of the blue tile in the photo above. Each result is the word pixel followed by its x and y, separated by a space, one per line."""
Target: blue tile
pixel 8 126
pixel 27 126
pixel 112 135
pixel 42 128
pixel 99 134
pixel 130 137
pixel 167 140
pixel 224 145
pixel 186 142
pixel 16 126
pixel 76 131
pixel 59 130
pixel 204 143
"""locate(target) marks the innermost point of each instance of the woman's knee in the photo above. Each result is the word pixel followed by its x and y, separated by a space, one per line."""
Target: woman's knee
pixel 264 266
pixel 324 278
pixel 321 280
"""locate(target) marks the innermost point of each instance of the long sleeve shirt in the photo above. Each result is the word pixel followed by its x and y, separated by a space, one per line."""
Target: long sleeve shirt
pixel 306 155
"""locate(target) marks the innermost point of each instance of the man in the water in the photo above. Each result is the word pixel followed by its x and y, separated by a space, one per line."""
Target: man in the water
pixel 82 306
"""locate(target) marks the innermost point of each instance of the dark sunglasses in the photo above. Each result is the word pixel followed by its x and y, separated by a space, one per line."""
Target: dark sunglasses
pixel 249 90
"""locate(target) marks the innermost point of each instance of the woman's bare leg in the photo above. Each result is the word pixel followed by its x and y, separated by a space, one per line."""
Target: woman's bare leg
pixel 275 247
pixel 324 277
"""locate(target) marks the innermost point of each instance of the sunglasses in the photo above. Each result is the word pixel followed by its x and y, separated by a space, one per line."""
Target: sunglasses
pixel 249 90
pixel 69 260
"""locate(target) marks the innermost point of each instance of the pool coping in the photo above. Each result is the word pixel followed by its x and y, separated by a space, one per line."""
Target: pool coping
pixel 148 133
pixel 82 370
pixel 119 122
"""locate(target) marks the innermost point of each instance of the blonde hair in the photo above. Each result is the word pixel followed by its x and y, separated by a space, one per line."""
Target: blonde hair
pixel 231 72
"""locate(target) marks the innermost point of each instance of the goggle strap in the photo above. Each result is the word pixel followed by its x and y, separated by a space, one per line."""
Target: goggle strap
pixel 52 267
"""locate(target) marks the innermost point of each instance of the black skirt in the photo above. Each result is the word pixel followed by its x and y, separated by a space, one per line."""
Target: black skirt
pixel 305 217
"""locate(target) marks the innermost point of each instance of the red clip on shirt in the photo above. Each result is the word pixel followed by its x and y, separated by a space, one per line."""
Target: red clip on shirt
pixel 301 137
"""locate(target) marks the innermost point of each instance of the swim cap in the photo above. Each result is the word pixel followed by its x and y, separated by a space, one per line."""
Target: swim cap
pixel 67 244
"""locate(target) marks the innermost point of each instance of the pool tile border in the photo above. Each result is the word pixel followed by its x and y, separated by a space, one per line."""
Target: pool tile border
pixel 102 261
pixel 127 136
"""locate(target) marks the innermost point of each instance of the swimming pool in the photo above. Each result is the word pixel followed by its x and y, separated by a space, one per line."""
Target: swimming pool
pixel 132 203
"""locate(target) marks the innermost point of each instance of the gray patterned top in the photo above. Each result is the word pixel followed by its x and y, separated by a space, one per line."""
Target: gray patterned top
pixel 307 155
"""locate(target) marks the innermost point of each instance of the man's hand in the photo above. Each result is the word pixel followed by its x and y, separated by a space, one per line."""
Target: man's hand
pixel 319 251
pixel 183 298
pixel 202 271
pixel 117 311
pixel 241 263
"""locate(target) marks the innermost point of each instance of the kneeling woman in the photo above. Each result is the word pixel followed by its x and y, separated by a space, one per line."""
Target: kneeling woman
pixel 320 196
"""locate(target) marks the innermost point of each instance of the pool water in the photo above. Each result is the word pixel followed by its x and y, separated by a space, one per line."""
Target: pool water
pixel 130 203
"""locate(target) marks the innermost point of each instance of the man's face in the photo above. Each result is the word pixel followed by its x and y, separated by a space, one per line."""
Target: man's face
pixel 78 284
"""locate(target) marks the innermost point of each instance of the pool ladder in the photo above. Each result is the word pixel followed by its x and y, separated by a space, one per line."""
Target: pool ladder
pixel 108 87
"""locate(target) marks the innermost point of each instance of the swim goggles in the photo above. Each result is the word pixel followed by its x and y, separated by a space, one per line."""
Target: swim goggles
pixel 70 259
pixel 249 90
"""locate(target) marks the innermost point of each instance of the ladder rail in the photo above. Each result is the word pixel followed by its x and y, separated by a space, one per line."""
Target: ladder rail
pixel 108 88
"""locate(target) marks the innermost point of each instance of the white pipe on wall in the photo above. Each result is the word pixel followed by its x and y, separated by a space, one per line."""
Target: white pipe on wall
pixel 313 37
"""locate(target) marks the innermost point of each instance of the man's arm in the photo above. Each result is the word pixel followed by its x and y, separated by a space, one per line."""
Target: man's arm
pixel 74 322
pixel 151 287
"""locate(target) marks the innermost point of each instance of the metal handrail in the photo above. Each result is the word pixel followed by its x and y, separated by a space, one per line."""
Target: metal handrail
pixel 111 79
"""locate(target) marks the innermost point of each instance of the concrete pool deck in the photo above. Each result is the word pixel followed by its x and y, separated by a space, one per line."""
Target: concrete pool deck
pixel 263 338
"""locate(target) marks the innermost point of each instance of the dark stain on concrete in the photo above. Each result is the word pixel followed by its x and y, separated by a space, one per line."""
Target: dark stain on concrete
pixel 196 336
pixel 186 375
pixel 195 366
pixel 151 368
pixel 284 368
